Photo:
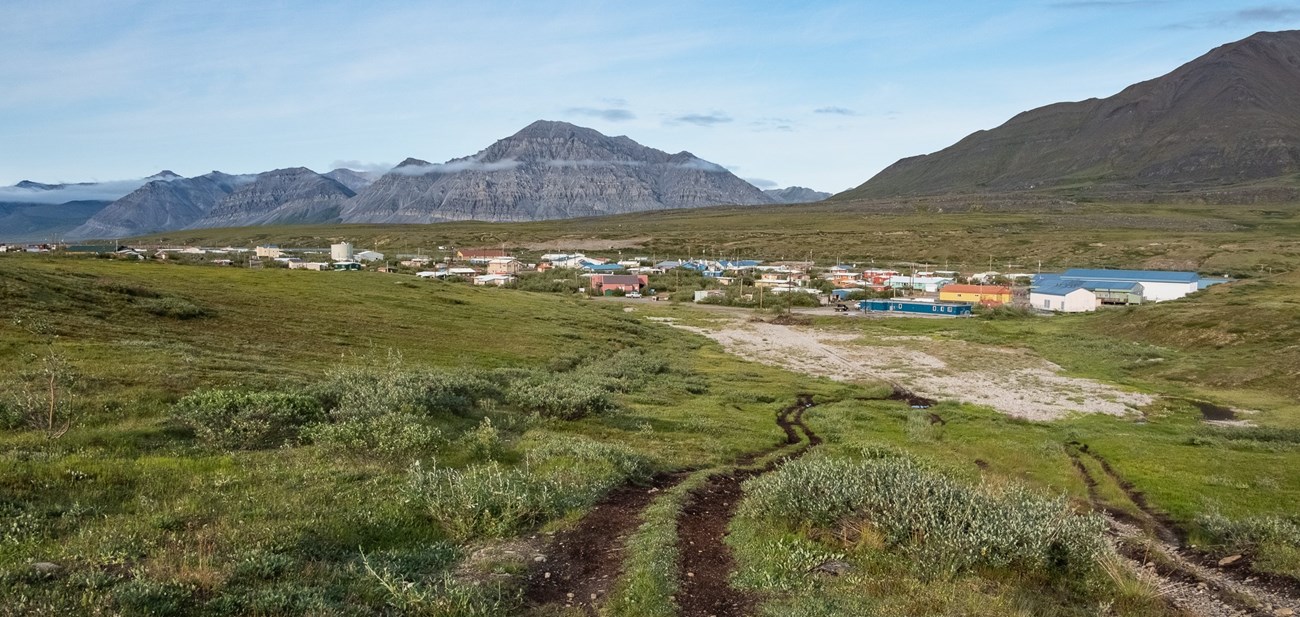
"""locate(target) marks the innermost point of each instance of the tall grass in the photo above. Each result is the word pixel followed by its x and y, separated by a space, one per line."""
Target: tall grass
pixel 491 500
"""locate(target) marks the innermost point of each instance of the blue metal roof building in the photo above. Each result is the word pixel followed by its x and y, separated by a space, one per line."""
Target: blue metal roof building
pixel 1155 276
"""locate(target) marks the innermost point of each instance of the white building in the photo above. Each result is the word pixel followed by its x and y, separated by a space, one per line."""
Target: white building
pixel 927 284
pixel 368 256
pixel 269 252
pixel 341 251
pixel 1063 298
pixel 1157 285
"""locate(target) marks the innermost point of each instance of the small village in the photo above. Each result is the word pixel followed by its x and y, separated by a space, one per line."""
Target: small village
pixel 904 289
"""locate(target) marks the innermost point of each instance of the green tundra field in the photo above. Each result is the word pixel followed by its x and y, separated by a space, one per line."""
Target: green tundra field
pixel 185 439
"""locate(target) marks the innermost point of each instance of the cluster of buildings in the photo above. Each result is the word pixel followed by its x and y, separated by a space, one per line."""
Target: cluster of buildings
pixel 937 292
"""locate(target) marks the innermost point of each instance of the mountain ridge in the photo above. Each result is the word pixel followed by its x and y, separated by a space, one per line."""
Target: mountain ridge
pixel 1225 117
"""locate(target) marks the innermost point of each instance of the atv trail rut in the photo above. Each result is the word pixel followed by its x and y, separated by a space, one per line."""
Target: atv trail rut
pixel 1189 580
pixel 705 562
pixel 582 563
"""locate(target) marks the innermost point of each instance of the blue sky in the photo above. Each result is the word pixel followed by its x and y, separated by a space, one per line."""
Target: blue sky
pixel 818 94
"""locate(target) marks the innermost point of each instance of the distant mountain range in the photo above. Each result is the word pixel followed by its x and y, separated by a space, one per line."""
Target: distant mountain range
pixel 795 195
pixel 1228 117
pixel 548 170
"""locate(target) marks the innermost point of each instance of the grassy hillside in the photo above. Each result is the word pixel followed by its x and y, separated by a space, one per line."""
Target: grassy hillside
pixel 146 507
pixel 962 232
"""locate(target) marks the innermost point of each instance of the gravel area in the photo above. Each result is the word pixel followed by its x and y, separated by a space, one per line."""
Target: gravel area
pixel 1013 382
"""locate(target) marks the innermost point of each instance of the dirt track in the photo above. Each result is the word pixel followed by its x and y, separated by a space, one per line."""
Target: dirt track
pixel 581 563
pixel 1189 580
pixel 706 563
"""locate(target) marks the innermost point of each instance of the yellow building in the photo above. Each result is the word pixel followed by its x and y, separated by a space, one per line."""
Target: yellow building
pixel 989 295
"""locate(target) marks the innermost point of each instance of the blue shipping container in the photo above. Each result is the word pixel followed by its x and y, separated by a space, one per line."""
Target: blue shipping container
pixel 946 309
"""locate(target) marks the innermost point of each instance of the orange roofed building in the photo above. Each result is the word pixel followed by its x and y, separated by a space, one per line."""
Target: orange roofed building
pixel 988 295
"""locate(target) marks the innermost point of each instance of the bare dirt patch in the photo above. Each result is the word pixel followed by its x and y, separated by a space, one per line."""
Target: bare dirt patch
pixel 1012 381
pixel 580 564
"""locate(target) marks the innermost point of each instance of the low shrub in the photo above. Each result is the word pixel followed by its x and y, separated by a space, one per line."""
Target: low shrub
pixel 234 419
pixel 390 436
pixel 1005 312
pixel 11 416
pixel 944 527
pixel 368 392
pixel 175 308
pixel 142 596
pixel 1249 533
pixel 491 500
pixel 565 396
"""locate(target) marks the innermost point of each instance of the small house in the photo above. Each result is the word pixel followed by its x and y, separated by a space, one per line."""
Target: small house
pixel 497 280
pixel 1063 298
pixel 480 256
pixel 346 265
pixel 607 284
pixel 504 265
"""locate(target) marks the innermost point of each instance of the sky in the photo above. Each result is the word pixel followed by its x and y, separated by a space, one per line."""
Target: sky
pixel 815 94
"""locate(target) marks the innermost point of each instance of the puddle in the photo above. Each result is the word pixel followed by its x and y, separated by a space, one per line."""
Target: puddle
pixel 1210 411
pixel 917 402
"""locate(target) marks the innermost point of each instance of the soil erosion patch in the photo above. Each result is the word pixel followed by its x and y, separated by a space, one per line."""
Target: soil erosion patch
pixel 705 563
pixel 582 563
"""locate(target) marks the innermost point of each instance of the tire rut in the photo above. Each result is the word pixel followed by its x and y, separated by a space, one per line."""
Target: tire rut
pixel 705 561
pixel 1188 580
pixel 581 564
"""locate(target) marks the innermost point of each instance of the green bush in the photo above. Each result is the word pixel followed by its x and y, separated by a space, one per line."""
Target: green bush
pixel 1249 533
pixel 247 420
pixel 11 416
pixel 566 396
pixel 943 526
pixel 1004 312
pixel 153 598
pixel 390 436
pixel 175 308
pixel 491 500
pixel 368 392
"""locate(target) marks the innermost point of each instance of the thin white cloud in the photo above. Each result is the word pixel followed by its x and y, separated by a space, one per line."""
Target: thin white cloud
pixel 703 165
pixel 97 191
pixel 592 163
pixel 361 166
pixel 612 114
pixel 703 119
pixel 762 183
pixel 835 111
pixel 453 167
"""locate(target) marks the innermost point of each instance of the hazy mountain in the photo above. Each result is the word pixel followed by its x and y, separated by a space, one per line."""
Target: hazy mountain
pixel 283 196
pixel 25 222
pixel 548 170
pixel 354 180
pixel 41 211
pixel 1226 117
pixel 160 205
pixel 795 195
